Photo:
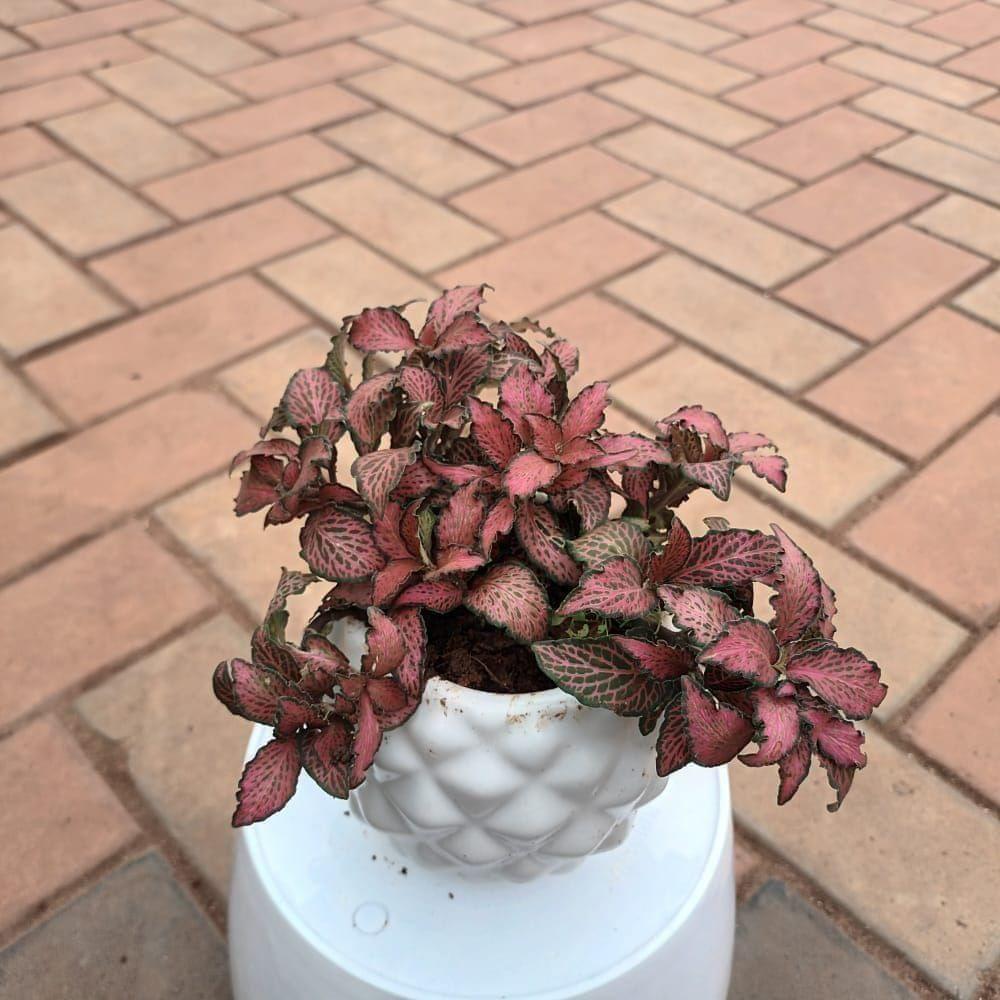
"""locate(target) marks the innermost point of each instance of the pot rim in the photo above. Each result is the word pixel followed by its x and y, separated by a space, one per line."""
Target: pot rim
pixel 553 703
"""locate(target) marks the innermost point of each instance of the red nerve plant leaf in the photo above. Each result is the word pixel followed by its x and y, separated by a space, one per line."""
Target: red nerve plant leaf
pixel 339 546
pixel 511 597
pixel 268 782
pixel 843 678
pixel 616 590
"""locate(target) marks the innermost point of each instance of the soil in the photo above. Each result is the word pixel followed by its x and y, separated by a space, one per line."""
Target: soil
pixel 461 649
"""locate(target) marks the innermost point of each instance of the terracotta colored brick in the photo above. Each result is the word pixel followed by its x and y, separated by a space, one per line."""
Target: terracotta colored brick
pixel 64 492
pixel 991 109
pixel 78 208
pixel 971 24
pixel 131 360
pixel 941 162
pixel 954 489
pixel 416 94
pixel 35 67
pixel 17 12
pixel 24 149
pixel 917 388
pixel 847 205
pixel 754 332
pixel 548 78
pixel 935 120
pixel 24 418
pixel 115 596
pixel 914 76
pixel 433 52
pixel 197 254
pixel 102 21
pixel 535 196
pixel 126 142
pixel 435 165
pixel 799 92
pixel 530 134
pixel 703 116
pixel 363 277
pixel 983 299
pixel 539 270
pixel 416 230
pixel 688 32
pixel 113 925
pixel 203 47
pixel 11 44
pixel 753 17
pixel 955 727
pixel 901 41
pixel 689 69
pixel 832 472
pixel 724 177
pixel 908 638
pixel 936 898
pixel 242 178
pixel 62 819
pixel 309 33
pixel 236 15
pixel 705 229
pixel 157 713
pixel 611 340
pixel 781 49
pixel 890 11
pixel 533 11
pixel 982 63
pixel 879 284
pixel 457 19
pixel 786 948
pixel 33 104
pixel 550 38
pixel 167 89
pixel 43 299
pixel 745 859
pixel 810 148
pixel 965 221
pixel 281 76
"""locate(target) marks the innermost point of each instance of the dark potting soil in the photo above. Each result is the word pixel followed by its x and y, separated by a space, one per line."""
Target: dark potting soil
pixel 461 649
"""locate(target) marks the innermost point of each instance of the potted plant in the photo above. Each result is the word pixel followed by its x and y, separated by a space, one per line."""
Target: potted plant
pixel 522 639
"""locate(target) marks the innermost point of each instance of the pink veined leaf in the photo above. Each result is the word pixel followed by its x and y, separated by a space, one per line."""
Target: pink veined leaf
pixel 385 645
pixel 746 649
pixel 326 757
pixel 291 582
pixel 378 473
pixel 660 660
pixel 528 473
pixel 623 537
pixel 798 597
pixel 585 413
pixel 673 557
pixel 271 448
pixel 339 546
pixel 828 608
pixel 457 475
pixel 582 452
pixel 259 485
pixel 268 782
pixel 592 500
pixel 792 770
pixel 545 436
pixel 462 519
pixel 599 673
pixel 497 523
pixel 716 733
pixel 222 686
pixel 367 739
pixel 493 433
pixel 521 393
pixel 423 387
pixel 256 691
pixel 370 409
pixel 418 480
pixel 457 560
pixel 567 480
pixel 616 589
pixel 388 532
pixel 461 371
pixel 410 672
pixel 777 719
pixel 843 678
pixel 672 749
pixel 445 309
pixel 294 713
pixel 312 397
pixel 566 354
pixel 632 451
pixel 464 450
pixel 380 329
pixel 636 485
pixel 742 441
pixel 390 701
pixel 836 739
pixel 510 596
pixel 771 468
pixel 440 596
pixel 544 543
pixel 840 778
pixel 705 613
pixel 392 578
pixel 700 420
pixel 464 331
pixel 725 558
pixel 715 476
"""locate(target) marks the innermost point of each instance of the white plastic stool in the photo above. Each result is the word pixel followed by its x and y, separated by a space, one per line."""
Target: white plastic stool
pixel 321 908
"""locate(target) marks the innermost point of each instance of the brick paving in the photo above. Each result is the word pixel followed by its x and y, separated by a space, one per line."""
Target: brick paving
pixel 786 209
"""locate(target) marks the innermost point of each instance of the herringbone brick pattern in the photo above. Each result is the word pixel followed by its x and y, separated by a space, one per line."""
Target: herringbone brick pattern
pixel 788 210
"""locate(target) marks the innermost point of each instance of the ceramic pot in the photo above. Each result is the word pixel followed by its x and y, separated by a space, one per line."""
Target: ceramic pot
pixel 505 785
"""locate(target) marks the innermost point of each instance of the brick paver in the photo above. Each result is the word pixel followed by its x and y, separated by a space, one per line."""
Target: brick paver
pixel 786 209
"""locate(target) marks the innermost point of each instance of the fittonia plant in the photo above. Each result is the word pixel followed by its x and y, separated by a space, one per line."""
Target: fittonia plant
pixel 504 509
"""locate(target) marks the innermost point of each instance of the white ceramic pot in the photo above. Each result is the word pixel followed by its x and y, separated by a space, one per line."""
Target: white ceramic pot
pixel 505 785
